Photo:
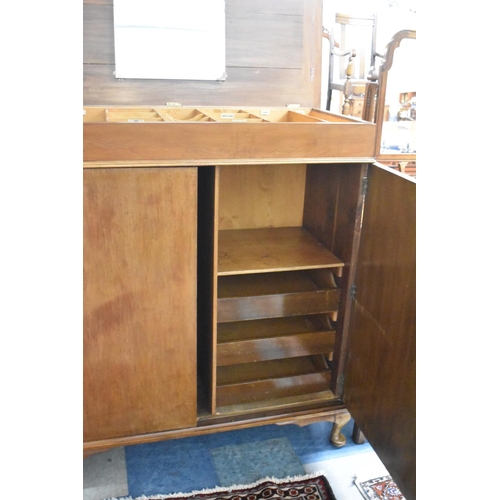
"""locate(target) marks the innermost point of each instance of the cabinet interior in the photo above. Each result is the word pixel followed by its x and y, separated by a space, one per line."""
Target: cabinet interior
pixel 274 246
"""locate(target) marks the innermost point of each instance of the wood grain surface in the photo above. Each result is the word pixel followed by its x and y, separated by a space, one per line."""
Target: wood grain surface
pixel 273 57
pixel 247 251
pixel 139 301
pixel 380 382
pixel 212 142
pixel 259 340
pixel 259 196
pixel 275 295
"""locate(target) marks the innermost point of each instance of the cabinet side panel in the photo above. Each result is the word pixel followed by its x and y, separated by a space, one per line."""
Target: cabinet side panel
pixel 320 203
pixel 380 373
pixel 139 301
pixel 332 212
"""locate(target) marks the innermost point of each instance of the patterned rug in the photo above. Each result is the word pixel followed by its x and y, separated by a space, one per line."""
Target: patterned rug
pixel 380 488
pixel 306 487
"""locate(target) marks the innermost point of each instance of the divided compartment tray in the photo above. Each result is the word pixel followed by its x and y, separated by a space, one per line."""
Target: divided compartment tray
pixel 133 135
pixel 276 338
pixel 272 380
pixel 275 295
pixel 132 115
pixel 139 114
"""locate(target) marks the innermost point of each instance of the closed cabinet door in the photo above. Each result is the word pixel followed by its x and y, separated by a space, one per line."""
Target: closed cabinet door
pixel 139 301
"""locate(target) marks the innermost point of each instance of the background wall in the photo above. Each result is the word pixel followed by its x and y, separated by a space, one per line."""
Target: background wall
pixel 273 58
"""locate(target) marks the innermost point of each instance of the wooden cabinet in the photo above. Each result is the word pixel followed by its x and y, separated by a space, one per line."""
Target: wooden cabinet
pixel 244 267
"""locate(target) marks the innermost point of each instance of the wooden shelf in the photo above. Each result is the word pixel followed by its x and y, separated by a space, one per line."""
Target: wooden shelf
pixel 259 340
pixel 296 402
pixel 244 251
pixel 274 295
pixel 268 380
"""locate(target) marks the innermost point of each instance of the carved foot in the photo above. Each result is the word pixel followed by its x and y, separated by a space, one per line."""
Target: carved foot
pixel 336 438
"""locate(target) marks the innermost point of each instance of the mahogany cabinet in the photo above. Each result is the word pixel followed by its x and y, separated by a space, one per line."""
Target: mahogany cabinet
pixel 245 267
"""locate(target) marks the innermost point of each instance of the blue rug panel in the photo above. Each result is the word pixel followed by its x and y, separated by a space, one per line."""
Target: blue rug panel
pixel 181 465
pixel 246 463
pixel 194 463
pixel 312 442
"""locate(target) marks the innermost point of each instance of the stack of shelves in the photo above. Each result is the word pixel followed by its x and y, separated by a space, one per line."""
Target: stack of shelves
pixel 276 307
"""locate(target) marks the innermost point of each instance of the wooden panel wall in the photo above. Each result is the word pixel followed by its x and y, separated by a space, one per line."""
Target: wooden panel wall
pixel 273 58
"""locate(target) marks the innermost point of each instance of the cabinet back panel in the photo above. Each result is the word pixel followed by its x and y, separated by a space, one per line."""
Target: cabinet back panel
pixel 258 196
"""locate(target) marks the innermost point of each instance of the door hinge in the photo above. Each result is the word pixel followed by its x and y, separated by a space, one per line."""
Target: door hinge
pixel 353 291
pixel 340 385
pixel 364 185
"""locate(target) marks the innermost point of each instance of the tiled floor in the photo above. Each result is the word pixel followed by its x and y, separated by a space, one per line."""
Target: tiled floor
pixel 235 457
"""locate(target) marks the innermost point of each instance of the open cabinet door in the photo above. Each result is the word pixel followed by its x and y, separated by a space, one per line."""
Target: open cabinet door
pixel 380 372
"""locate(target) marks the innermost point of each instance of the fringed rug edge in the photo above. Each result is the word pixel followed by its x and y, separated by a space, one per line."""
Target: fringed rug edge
pixel 361 482
pixel 225 489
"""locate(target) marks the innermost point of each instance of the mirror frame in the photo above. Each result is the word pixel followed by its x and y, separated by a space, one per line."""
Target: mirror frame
pixel 380 103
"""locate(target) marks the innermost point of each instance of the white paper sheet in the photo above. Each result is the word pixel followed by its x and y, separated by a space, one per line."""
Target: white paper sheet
pixel 170 39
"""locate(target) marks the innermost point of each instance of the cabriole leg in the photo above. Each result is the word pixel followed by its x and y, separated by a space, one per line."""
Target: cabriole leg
pixel 336 438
